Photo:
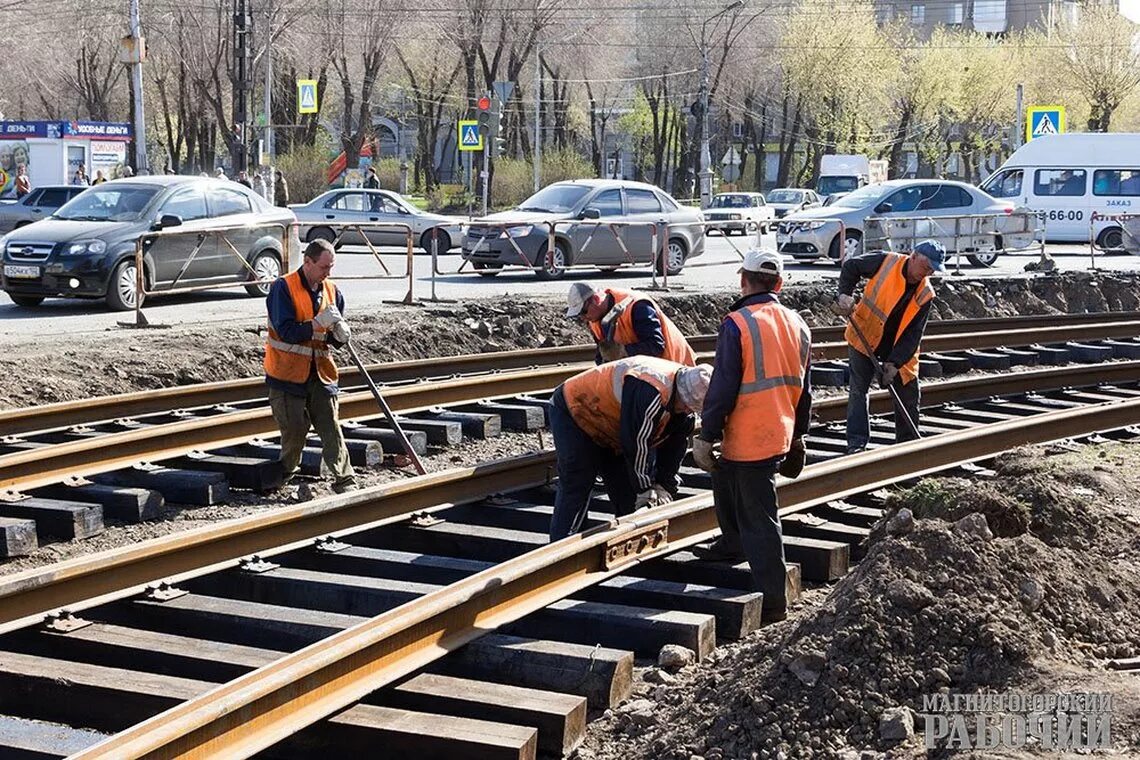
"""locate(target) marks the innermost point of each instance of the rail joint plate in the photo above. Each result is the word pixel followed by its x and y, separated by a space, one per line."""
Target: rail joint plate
pixel 619 551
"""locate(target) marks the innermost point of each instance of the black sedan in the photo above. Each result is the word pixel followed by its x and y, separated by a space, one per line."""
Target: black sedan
pixel 86 249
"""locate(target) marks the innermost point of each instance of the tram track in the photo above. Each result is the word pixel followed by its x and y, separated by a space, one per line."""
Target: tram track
pixel 366 628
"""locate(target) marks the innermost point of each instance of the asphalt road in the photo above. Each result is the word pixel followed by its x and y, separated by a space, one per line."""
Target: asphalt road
pixel 715 270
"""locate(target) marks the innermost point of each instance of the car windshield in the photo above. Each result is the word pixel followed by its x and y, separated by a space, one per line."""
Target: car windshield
pixel 783 196
pixel 117 203
pixel 731 201
pixel 555 198
pixel 864 196
pixel 829 185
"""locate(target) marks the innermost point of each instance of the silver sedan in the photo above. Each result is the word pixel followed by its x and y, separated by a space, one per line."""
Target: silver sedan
pixel 325 216
pixel 39 204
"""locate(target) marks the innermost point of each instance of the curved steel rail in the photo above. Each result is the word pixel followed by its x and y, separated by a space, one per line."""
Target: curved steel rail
pixel 257 710
pixel 86 411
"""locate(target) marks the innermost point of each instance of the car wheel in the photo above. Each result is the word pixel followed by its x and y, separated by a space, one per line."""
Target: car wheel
pixel 444 241
pixel 320 233
pixel 552 263
pixel 852 246
pixel 1110 239
pixel 266 266
pixel 121 288
pixel 982 258
pixel 27 302
pixel 484 269
pixel 674 257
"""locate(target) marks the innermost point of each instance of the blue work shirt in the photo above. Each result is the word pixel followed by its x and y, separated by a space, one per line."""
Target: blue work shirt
pixel 728 369
pixel 283 317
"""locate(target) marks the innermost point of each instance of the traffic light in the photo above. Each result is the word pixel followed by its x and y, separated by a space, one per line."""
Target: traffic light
pixel 485 117
pixel 498 133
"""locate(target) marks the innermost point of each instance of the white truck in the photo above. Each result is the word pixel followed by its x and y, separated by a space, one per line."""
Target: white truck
pixel 844 173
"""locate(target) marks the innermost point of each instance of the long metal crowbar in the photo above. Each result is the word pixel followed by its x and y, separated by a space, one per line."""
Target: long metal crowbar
pixel 890 386
pixel 416 462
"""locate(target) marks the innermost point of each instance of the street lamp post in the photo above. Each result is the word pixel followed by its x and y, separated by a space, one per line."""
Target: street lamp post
pixel 705 174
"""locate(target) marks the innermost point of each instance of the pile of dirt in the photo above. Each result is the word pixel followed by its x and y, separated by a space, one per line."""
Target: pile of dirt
pixel 939 604
pixel 65 368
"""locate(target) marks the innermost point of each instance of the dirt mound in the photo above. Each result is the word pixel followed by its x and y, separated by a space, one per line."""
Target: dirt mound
pixel 939 604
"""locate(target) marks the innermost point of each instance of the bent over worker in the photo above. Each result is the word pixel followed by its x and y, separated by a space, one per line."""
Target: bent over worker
pixel 759 407
pixel 627 323
pixel 888 325
pixel 630 420
pixel 305 320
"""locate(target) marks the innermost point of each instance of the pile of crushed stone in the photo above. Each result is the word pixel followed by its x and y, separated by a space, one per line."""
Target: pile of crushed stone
pixel 65 368
pixel 966 588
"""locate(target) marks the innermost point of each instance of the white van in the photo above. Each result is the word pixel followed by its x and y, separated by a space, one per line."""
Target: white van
pixel 1079 181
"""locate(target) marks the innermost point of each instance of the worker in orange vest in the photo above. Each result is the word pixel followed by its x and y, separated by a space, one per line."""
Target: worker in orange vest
pixel 627 323
pixel 888 323
pixel 629 420
pixel 305 320
pixel 759 407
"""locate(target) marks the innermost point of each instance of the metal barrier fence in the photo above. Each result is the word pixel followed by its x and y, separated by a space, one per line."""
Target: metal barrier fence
pixel 266 263
pixel 972 234
pixel 1129 240
pixel 820 229
pixel 362 228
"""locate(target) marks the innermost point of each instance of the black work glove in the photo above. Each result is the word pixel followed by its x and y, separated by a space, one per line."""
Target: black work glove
pixel 793 463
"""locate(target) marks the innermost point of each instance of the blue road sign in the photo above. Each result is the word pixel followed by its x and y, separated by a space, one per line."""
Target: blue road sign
pixel 1044 120
pixel 470 138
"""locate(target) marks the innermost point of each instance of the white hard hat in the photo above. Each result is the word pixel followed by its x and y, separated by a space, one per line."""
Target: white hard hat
pixel 769 262
pixel 693 384
pixel 580 293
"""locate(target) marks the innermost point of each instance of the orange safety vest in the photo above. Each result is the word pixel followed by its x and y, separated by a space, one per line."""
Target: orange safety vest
pixel 677 349
pixel 775 343
pixel 880 296
pixel 594 396
pixel 291 361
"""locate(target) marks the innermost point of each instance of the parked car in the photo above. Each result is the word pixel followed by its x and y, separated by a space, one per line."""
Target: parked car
pixel 86 249
pixel 789 200
pixel 364 206
pixel 738 212
pixel 806 235
pixel 580 205
pixel 36 205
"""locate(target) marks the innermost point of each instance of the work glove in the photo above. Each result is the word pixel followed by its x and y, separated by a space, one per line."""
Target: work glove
pixel 890 372
pixel 646 499
pixel 328 317
pixel 341 333
pixel 663 495
pixel 793 463
pixel 843 305
pixel 703 455
pixel 611 351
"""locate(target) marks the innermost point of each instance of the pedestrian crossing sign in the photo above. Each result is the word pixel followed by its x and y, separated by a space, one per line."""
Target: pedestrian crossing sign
pixel 1044 120
pixel 306 96
pixel 469 136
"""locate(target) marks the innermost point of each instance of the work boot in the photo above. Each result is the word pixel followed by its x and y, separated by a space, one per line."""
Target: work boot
pixel 344 484
pixel 719 551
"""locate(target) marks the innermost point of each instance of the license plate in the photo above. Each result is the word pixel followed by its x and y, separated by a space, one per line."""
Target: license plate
pixel 11 270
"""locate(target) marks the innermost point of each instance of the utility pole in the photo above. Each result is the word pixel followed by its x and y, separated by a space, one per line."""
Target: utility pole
pixel 136 52
pixel 243 80
pixel 271 177
pixel 1018 129
pixel 705 174
pixel 537 117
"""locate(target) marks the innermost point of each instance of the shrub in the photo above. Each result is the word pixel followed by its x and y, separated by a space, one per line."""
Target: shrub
pixel 514 178
pixel 305 170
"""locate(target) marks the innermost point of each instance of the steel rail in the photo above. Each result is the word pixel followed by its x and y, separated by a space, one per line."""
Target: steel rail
pixel 86 411
pixel 263 707
pixel 117 573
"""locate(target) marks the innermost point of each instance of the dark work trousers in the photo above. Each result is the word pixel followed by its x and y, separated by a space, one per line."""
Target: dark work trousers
pixel 579 462
pixel 744 494
pixel 862 371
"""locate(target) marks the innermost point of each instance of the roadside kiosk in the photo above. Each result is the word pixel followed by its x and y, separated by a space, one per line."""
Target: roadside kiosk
pixel 53 150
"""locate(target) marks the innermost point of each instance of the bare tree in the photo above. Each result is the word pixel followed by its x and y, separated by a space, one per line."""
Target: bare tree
pixel 1100 58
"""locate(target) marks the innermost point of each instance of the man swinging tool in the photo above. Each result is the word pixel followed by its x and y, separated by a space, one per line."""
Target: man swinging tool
pixel 630 420
pixel 627 323
pixel 884 333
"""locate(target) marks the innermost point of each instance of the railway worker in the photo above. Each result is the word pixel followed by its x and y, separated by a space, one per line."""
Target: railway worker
pixel 888 322
pixel 305 320
pixel 629 420
pixel 627 323
pixel 759 407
